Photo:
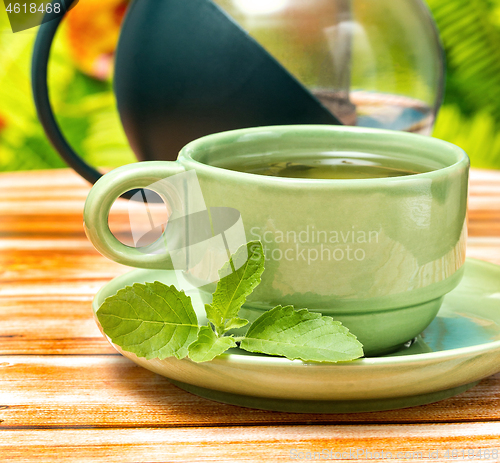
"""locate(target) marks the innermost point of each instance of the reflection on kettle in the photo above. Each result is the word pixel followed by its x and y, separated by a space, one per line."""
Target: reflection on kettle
pixel 188 68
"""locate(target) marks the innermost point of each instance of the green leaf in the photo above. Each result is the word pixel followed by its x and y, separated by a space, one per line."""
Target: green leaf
pixel 209 345
pixel 151 320
pixel 470 37
pixel 300 334
pixel 235 323
pixel 239 277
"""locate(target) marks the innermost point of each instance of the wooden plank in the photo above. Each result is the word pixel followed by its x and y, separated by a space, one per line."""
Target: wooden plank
pixel 49 179
pixel 484 229
pixel 53 290
pixel 111 391
pixel 45 300
pixel 484 248
pixel 61 226
pixel 484 204
pixel 56 209
pixel 484 175
pixel 53 269
pixel 59 269
pixel 50 326
pixel 23 260
pixel 251 444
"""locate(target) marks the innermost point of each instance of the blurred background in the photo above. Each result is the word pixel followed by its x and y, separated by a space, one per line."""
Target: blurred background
pixel 81 71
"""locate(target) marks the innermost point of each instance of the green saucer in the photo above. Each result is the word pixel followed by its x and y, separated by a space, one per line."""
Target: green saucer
pixel 458 349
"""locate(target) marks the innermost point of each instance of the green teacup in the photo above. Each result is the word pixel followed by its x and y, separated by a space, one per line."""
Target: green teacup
pixel 377 253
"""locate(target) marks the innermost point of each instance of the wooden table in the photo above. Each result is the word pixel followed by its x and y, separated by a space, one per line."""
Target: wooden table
pixel 66 395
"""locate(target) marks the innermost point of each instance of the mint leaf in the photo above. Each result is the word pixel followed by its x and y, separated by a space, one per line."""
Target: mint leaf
pixel 242 275
pixel 151 320
pixel 300 334
pixel 209 345
pixel 236 323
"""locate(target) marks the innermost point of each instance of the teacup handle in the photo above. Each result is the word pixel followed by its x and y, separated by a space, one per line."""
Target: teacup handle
pixel 107 190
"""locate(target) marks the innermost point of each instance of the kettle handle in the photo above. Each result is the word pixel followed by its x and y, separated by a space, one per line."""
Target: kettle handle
pixel 41 53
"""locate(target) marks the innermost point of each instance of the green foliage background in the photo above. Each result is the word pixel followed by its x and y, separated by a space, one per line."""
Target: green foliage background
pixel 85 108
pixel 470 116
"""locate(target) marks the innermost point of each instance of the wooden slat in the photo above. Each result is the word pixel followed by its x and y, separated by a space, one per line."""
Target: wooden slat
pixel 44 310
pixel 251 444
pixel 111 391
pixel 47 179
pixel 484 248
pixel 23 260
pixel 50 325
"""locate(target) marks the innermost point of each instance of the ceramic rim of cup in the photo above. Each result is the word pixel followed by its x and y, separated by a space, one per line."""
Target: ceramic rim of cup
pixel 367 140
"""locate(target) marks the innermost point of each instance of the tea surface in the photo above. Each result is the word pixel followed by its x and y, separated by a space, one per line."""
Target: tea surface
pixel 331 165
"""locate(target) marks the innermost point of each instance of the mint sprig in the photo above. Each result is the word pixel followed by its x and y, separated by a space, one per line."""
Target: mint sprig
pixel 239 277
pixel 154 320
